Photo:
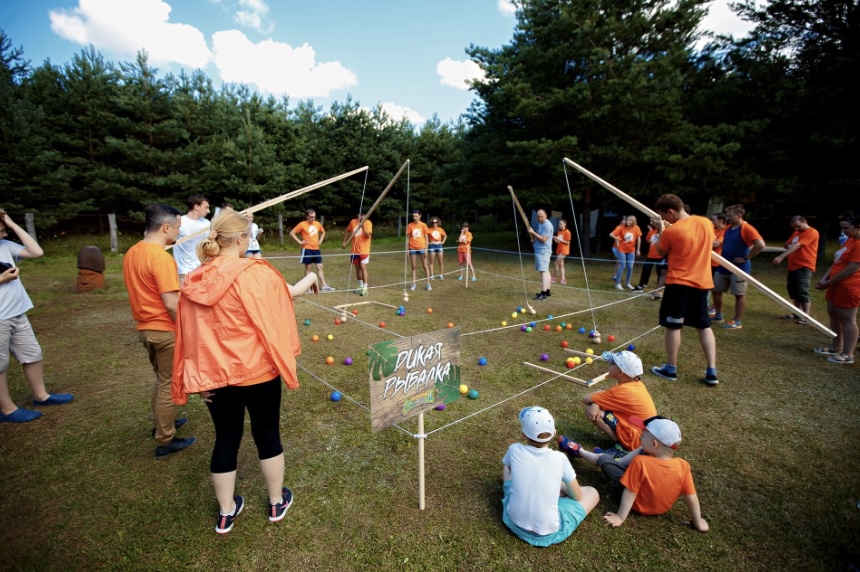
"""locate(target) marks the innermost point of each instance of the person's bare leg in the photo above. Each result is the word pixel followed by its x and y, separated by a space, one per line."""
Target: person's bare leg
pixel 35 375
pixel 673 346
pixel 412 259
pixel 7 406
pixel 225 489
pixel 273 476
pixel 590 498
pixel 848 318
pixel 718 302
pixel 426 268
pixel 321 276
pixel 709 345
pixel 836 325
pixel 740 307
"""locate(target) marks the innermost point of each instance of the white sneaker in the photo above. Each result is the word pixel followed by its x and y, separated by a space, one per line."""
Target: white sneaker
pixel 363 291
pixel 629 287
pixel 618 286
pixel 474 279
pixel 429 287
pixel 413 287
pixel 441 277
pixel 432 278
pixel 326 288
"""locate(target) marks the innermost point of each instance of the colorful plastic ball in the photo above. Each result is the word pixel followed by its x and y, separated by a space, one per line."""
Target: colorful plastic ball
pixel 532 324
pixel 464 389
pixel 440 407
pixel 473 394
pixel 610 337
pixel 549 317
pixel 429 310
pixel 577 361
pixel 504 323
pixel 520 309
pixel 528 329
pixel 523 328
pixel 569 359
pixel 343 319
pixel 564 343
pixel 381 324
pixel 581 330
pixel 546 328
pixel 568 327
pixel 315 338
pixel 558 328
pixel 401 308
pixel 355 312
pixel 588 360
pixel 544 357
pixel 347 361
pixel 631 347
pixel 589 351
pixel 329 360
pixel 307 322
pixel 329 337
pixel 564 324
pixel 450 325
pixel 335 396
pixel 482 361
pixel 570 364
pixel 513 314
pixel 337 321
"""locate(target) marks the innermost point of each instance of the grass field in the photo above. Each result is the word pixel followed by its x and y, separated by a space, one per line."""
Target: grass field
pixel 774 447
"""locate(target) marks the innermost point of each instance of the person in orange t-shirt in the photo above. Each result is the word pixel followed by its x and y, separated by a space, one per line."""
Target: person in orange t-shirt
pixel 152 280
pixel 436 237
pixel 236 339
pixel 686 242
pixel 417 236
pixel 802 253
pixel 464 252
pixel 360 249
pixel 650 479
pixel 628 242
pixel 652 260
pixel 562 249
pixel 311 236
pixel 842 282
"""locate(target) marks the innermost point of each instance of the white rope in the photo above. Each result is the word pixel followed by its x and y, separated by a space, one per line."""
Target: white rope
pixel 579 241
pixel 349 266
pixel 520 250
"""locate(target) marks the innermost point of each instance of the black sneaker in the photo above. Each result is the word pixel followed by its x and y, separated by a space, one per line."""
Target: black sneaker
pixel 540 296
pixel 225 521
pixel 176 425
pixel 616 452
pixel 548 293
pixel 177 444
pixel 711 379
pixel 278 511
pixel 663 371
pixel 638 288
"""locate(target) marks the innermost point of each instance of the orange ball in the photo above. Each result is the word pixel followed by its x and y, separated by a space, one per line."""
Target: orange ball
pixel 337 321
pixel 315 338
pixel 381 324
pixel 329 360
pixel 558 328
pixel 564 343
pixel 429 310
pixel 568 327
pixel 355 312
pixel 611 338
pixel 450 325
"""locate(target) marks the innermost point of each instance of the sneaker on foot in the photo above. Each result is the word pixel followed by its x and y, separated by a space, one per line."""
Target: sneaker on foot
pixel 564 281
pixel 20 415
pixel 413 287
pixel 638 288
pixel 56 399
pixel 177 444
pixel 459 278
pixel 277 511
pixel 432 278
pixel 441 277
pixel 616 452
pixel 663 371
pixel 177 423
pixel 733 325
pixel 717 318
pixel 473 279
pixel 540 296
pixel 363 291
pixel 327 288
pixel 631 287
pixel 618 286
pixel 429 287
pixel 548 293
pixel 711 379
pixel 225 521
pixel 552 280
pixel 565 445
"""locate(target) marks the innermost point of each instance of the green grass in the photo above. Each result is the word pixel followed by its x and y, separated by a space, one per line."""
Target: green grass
pixel 774 447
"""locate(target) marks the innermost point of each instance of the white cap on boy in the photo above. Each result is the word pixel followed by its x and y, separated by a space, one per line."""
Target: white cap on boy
pixel 537 420
pixel 627 362
pixel 665 430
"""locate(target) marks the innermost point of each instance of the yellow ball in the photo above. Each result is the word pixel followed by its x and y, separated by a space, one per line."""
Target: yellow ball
pixel 464 389
pixel 504 323
pixel 589 351
pixel 588 360
pixel 577 361
pixel 570 359
pixel 513 314
pixel 329 337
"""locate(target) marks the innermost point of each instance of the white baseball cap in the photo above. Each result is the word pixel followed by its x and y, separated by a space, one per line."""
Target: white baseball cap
pixel 665 430
pixel 627 362
pixel 537 420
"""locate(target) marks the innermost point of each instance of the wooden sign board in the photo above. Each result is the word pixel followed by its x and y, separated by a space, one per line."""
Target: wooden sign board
pixel 412 375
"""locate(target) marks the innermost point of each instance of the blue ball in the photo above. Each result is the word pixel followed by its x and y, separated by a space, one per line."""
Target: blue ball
pixel 631 347
pixel 307 322
pixel 581 330
pixel 563 324
pixel 549 317
pixel 533 324
pixel 335 396
pixel 473 394
pixel 482 361
pixel 520 309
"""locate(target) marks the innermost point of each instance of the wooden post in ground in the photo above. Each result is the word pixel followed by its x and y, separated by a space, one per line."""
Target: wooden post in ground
pixel 114 246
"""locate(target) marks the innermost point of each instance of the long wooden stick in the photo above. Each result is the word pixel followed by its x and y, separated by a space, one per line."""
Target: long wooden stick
pixel 562 375
pixel 277 200
pixel 582 354
pixel 519 207
pixel 379 200
pixel 723 261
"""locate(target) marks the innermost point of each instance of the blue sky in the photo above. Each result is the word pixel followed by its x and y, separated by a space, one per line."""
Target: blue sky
pixel 408 56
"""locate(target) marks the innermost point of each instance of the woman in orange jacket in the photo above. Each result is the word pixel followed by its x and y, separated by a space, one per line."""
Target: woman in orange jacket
pixel 236 338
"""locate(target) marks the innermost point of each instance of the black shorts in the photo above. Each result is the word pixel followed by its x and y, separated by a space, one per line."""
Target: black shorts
pixel 684 306
pixel 798 284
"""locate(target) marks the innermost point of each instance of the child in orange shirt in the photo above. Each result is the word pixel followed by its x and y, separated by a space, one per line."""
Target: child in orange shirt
pixel 562 249
pixel 650 478
pixel 464 252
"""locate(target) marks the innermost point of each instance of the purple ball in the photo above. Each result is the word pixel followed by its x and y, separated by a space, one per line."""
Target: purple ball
pixel 440 407
pixel 544 357
pixel 347 361
pixel 523 328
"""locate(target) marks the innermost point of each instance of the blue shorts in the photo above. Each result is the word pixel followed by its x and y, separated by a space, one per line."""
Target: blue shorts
pixel 311 256
pixel 416 252
pixel 542 261
pixel 570 514
pixel 436 247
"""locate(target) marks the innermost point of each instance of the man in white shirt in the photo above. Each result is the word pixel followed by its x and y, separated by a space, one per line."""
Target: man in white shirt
pixel 185 252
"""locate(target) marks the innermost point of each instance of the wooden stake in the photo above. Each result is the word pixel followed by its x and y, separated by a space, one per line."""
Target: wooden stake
pixel 421 438
pixel 379 200
pixel 723 261
pixel 528 226
pixel 582 354
pixel 277 200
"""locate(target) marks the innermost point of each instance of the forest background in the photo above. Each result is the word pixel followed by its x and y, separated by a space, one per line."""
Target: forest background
pixel 626 89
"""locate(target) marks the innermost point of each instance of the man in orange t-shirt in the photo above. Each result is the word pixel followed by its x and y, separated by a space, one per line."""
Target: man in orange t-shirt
pixel 152 280
pixel 802 253
pixel 312 236
pixel 360 249
pixel 417 234
pixel 687 244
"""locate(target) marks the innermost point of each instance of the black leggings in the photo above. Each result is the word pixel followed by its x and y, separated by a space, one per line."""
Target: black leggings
pixel 227 409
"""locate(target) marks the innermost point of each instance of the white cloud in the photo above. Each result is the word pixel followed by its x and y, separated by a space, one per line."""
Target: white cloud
pixel 398 112
pixel 457 73
pixel 277 67
pixel 128 27
pixel 507 7
pixel 721 20
pixel 253 15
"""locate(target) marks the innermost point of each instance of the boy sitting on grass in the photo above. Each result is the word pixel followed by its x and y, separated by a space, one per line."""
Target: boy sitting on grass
pixel 611 409
pixel 651 477
pixel 543 503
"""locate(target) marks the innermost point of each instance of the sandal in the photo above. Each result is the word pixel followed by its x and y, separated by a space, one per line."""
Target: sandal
pixel 565 445
pixel 827 351
pixel 843 359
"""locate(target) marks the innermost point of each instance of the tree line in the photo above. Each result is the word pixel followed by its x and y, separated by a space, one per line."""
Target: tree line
pixel 626 89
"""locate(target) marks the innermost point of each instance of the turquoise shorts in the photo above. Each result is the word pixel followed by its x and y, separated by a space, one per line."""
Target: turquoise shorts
pixel 570 513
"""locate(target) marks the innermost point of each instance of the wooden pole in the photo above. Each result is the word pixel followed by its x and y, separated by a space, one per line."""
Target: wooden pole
pixel 379 200
pixel 421 438
pixel 278 200
pixel 113 237
pixel 30 224
pixel 528 226
pixel 281 229
pixel 582 382
pixel 582 354
pixel 723 261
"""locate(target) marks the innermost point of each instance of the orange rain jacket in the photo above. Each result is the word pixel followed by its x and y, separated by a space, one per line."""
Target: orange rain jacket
pixel 235 323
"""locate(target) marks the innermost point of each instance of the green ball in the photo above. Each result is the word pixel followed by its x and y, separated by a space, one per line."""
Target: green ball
pixel 473 394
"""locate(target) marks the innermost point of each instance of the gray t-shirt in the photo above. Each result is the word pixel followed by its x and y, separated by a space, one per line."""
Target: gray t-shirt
pixel 14 300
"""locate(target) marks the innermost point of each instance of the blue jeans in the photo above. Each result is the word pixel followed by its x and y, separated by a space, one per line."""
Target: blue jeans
pixel 625 261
